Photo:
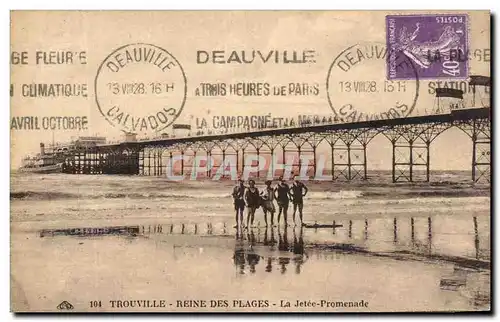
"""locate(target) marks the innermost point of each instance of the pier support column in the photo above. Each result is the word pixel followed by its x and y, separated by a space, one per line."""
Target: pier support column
pixel 295 145
pixel 256 145
pixel 479 130
pixel 408 157
pixel 171 158
pixel 160 161
pixel 348 155
pixel 85 162
pixel 340 165
pixel 242 161
pixel 209 164
pixel 481 163
pixel 155 154
pixel 130 159
pixel 99 162
pixel 306 144
pixel 79 161
pixel 90 161
pixel 288 146
pixel 411 150
pixel 209 149
pixel 251 146
pixel 149 162
pixel 169 167
pixel 258 162
pixel 182 162
pixel 156 161
pixel 271 166
pixel 141 161
pixel 268 147
pixel 240 146
pixel 481 156
pixel 237 161
pixel 228 165
pixel 93 161
pixel 300 158
pixel 364 137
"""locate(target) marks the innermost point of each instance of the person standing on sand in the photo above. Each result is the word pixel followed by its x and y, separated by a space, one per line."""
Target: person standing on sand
pixel 268 202
pixel 252 199
pixel 282 195
pixel 239 202
pixel 298 192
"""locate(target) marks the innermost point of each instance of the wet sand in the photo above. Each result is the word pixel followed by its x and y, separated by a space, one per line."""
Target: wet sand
pixel 394 252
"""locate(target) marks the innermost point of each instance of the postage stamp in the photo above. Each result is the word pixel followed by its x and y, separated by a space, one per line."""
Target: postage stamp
pixel 436 44
pixel 140 88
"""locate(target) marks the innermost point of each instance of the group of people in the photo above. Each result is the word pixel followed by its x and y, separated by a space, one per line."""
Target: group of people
pixel 251 198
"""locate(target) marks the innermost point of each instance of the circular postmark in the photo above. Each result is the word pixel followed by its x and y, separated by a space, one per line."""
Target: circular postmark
pixel 358 88
pixel 140 88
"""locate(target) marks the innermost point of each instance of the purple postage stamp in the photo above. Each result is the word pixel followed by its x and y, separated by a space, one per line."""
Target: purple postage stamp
pixel 437 45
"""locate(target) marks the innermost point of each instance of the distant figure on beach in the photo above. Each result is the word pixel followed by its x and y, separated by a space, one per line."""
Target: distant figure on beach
pixel 298 192
pixel 268 202
pixel 252 199
pixel 282 195
pixel 239 202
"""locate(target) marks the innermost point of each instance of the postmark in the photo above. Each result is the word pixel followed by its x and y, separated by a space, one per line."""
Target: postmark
pixel 437 44
pixel 140 88
pixel 358 90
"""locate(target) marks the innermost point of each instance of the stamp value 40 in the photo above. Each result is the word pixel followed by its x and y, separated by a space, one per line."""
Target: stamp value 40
pixel 436 44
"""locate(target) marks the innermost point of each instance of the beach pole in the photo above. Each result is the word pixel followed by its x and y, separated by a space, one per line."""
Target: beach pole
pixel 412 229
pixel 395 229
pixel 476 237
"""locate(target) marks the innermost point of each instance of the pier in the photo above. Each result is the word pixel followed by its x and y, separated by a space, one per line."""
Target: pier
pixel 344 144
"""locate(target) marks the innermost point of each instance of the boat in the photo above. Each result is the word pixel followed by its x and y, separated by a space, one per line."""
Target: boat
pixel 55 168
pixel 43 162
pixel 57 157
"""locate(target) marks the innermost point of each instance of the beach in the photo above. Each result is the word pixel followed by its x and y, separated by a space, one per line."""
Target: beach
pixel 397 247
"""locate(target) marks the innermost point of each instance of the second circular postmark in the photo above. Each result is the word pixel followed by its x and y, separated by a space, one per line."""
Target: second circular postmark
pixel 358 89
pixel 140 88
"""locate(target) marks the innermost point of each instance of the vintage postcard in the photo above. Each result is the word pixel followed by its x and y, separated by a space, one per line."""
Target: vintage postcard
pixel 250 161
